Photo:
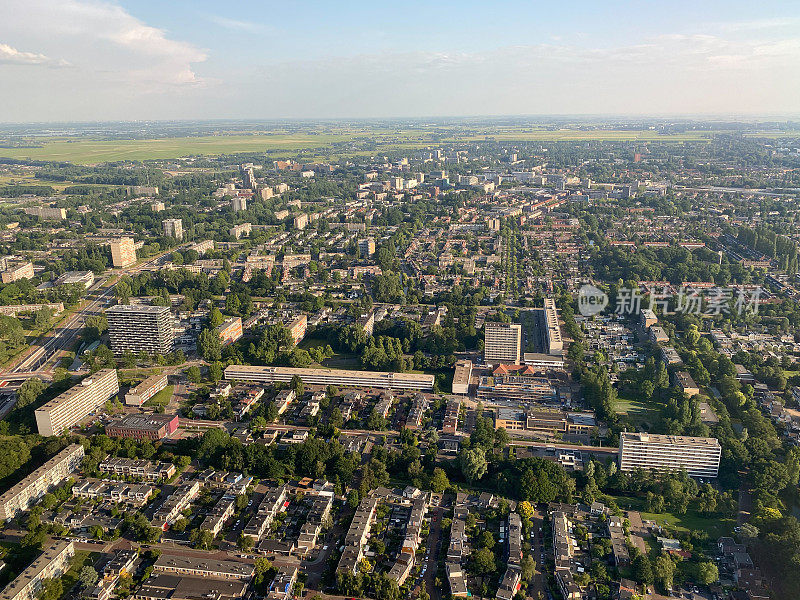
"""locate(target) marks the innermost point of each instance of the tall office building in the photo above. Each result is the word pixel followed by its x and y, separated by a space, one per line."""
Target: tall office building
pixel 502 342
pixel 173 228
pixel 140 328
pixel 697 455
pixel 68 408
pixel 123 252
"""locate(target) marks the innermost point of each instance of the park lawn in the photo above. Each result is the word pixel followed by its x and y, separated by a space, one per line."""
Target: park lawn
pixel 162 398
pixel 637 410
pixel 714 525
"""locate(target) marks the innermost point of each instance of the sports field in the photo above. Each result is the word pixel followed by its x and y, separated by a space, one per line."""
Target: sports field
pixel 319 144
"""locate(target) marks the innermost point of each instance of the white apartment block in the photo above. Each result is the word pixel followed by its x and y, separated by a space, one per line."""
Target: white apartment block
pixel 123 252
pixel 140 328
pixel 51 564
pixel 555 345
pixel 337 377
pixel 697 455
pixel 68 408
pixel 28 491
pixel 173 228
pixel 502 342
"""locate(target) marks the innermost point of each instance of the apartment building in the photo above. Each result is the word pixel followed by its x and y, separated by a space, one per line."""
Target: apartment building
pixel 553 340
pixel 502 342
pixel 241 230
pixel 140 328
pixel 462 377
pixel 366 247
pixel 200 567
pixel 47 212
pixel 647 318
pixel 148 388
pixel 27 492
pixel 173 228
pixel 230 330
pixel 70 407
pixel 123 252
pixel 50 564
pixel 238 204
pixel 297 328
pixel 699 456
pixel 337 377
pixel 17 272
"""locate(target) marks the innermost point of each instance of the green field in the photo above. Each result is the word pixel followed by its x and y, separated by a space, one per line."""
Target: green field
pixel 638 411
pixel 714 525
pixel 88 151
pixel 162 398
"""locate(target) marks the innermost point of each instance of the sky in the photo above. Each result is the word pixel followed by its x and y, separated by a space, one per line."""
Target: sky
pixel 97 60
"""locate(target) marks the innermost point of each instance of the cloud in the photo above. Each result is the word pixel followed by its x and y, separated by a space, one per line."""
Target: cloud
pixel 236 24
pixel 102 37
pixel 12 56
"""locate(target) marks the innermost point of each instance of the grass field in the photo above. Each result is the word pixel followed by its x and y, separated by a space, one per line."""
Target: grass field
pixel 638 411
pixel 714 525
pixel 88 151
pixel 162 398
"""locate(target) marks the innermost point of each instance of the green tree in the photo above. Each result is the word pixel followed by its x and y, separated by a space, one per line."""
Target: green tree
pixel 707 573
pixel 473 464
pixel 210 345
pixel 88 576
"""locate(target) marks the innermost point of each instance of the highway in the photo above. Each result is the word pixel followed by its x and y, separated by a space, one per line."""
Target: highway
pixel 41 358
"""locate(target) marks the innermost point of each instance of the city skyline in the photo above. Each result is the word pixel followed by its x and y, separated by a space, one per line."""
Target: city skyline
pixel 143 60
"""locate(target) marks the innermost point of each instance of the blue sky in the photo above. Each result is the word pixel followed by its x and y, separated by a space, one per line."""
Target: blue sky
pixel 100 59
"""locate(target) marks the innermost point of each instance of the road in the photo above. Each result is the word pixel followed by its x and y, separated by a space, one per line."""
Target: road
pixel 434 546
pixel 40 359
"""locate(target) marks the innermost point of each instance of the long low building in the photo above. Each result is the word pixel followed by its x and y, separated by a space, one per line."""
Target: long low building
pixel 51 564
pixel 148 388
pixel 69 408
pixel 699 456
pixel 201 567
pixel 27 492
pixel 337 377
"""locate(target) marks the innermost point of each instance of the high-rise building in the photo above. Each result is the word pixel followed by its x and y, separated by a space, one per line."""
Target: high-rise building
pixel 697 455
pixel 68 408
pixel 140 328
pixel 248 177
pixel 366 247
pixel 502 342
pixel 123 252
pixel 47 212
pixel 238 204
pixel 157 206
pixel 173 228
